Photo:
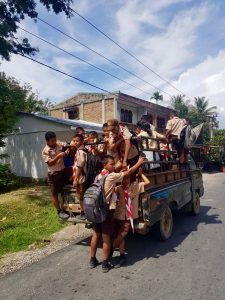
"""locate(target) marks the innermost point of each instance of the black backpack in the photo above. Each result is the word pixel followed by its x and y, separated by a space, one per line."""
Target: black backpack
pixel 95 206
pixel 93 168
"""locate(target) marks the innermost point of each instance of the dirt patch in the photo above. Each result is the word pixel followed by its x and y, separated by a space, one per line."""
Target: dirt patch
pixel 19 260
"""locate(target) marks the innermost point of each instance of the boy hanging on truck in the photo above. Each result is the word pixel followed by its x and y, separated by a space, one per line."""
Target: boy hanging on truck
pixel 79 170
pixel 53 155
pixel 129 153
pixel 105 229
pixel 126 211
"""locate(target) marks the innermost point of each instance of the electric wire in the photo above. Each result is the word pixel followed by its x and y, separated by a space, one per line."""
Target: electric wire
pixel 103 56
pixel 84 61
pixel 126 51
pixel 76 78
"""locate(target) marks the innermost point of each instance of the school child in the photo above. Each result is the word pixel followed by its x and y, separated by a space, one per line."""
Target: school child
pixel 105 229
pixel 81 131
pixel 144 130
pixel 112 147
pixel 126 211
pixel 79 170
pixel 129 153
pixel 174 130
pixel 53 155
pixel 97 149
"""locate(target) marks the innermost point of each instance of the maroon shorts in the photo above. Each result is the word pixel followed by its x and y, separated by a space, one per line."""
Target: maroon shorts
pixel 122 227
pixel 58 179
pixel 107 227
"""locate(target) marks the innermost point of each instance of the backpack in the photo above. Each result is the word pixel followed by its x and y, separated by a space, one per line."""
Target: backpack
pixel 191 136
pixel 95 206
pixel 94 166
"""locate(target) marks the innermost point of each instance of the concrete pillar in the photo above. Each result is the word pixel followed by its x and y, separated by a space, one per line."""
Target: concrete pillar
pixel 81 117
pixel 154 120
pixel 115 107
pixel 103 111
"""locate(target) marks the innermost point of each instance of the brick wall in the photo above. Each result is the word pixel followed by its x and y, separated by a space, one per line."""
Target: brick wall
pixel 109 109
pixel 57 113
pixel 93 112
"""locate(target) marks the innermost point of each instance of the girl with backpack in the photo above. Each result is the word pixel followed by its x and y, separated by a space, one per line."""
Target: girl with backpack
pixel 104 229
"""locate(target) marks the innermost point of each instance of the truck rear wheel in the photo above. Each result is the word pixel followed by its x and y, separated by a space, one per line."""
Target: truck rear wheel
pixel 163 229
pixel 195 208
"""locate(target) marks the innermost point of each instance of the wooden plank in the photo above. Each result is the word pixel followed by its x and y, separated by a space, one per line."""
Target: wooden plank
pixel 75 208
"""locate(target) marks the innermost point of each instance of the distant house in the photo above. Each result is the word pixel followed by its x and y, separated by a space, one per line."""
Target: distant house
pixel 99 107
pixel 25 146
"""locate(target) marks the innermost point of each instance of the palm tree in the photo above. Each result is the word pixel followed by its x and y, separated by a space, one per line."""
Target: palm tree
pixel 200 110
pixel 181 105
pixel 157 97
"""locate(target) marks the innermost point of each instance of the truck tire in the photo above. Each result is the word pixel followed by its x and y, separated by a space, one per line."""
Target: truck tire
pixel 163 229
pixel 196 205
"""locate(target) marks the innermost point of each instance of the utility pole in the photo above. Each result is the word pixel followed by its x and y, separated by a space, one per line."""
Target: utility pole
pixel 211 125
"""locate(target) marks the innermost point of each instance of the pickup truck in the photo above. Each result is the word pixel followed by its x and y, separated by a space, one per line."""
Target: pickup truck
pixel 169 191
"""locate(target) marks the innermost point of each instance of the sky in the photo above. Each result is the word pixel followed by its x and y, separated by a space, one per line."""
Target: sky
pixel 181 40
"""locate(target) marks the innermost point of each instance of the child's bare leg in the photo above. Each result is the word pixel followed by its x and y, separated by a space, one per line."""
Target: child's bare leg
pixel 122 246
pixel 55 202
pixel 80 196
pixel 106 246
pixel 94 243
pixel 118 240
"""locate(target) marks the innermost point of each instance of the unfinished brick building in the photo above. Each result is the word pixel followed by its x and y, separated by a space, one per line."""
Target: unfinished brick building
pixel 99 107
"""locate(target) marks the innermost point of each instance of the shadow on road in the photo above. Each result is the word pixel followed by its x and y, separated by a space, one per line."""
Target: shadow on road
pixel 143 247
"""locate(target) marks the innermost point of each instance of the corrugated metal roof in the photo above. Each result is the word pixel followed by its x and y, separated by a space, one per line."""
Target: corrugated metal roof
pixel 89 126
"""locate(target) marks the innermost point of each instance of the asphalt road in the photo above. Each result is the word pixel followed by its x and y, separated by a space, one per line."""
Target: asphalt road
pixel 191 265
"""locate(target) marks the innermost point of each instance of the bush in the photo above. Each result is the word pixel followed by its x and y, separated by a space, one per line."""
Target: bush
pixel 8 180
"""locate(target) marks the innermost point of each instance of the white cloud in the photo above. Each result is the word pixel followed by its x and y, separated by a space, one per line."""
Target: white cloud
pixel 166 40
pixel 134 14
pixel 46 81
pixel 206 79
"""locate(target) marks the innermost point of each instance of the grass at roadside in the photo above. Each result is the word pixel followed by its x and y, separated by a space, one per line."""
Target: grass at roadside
pixel 26 216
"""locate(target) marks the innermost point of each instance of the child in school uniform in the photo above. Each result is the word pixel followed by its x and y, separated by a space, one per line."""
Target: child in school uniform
pixel 79 170
pixel 126 211
pixel 105 229
pixel 53 155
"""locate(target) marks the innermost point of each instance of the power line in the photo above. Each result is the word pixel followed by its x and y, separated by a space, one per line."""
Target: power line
pixel 103 56
pixel 84 61
pixel 74 77
pixel 126 51
pixel 64 73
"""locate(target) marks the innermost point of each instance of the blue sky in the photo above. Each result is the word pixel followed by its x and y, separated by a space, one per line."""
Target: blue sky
pixel 184 41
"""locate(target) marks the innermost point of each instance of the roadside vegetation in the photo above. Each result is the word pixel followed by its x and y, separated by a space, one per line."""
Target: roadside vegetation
pixel 26 217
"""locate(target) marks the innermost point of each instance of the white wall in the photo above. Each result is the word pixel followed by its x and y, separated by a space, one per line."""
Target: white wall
pixel 25 150
pixel 28 123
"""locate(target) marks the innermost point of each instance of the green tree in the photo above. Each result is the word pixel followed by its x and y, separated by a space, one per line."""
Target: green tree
pixel 12 100
pixel 12 12
pixel 15 98
pixel 181 105
pixel 217 151
pixel 200 111
pixel 33 104
pixel 157 97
